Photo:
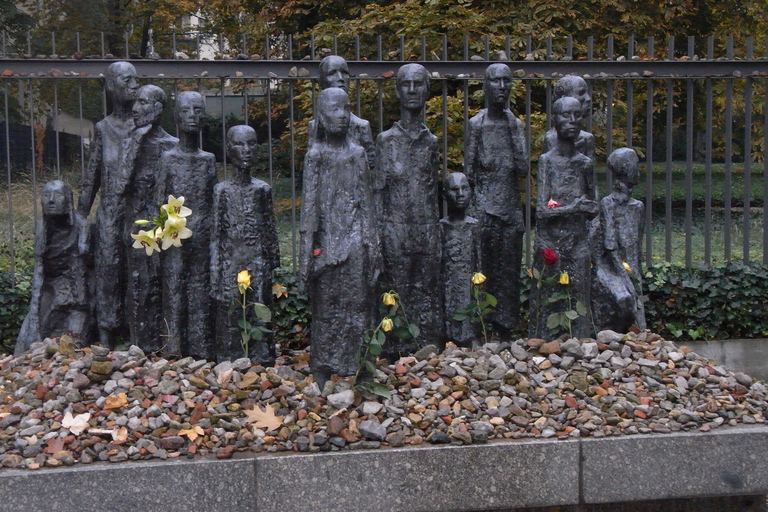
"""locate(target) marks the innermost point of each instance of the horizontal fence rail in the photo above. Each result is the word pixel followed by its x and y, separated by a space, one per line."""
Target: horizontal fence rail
pixel 696 116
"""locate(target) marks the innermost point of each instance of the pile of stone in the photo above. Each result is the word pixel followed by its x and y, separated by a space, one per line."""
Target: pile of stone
pixel 60 405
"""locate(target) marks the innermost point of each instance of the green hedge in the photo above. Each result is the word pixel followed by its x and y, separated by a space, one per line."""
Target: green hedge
pixel 14 304
pixel 724 302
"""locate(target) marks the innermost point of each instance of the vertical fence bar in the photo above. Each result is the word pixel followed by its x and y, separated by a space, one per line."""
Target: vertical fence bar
pixel 747 175
pixel 548 86
pixel 765 165
pixel 609 118
pixel 56 126
pixel 689 161
pixel 708 160
pixel 423 48
pixel 670 122
pixel 590 88
pixel 727 220
pixel 649 165
pixel 268 83
pixel 33 170
pixel 11 246
pixel 293 175
pixel 630 93
pixel 402 47
pixel 445 126
pixel 103 48
pixel 529 176
pixel 358 82
pixel 223 130
pixel 335 45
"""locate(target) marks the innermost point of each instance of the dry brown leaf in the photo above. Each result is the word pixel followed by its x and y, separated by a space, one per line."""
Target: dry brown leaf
pixel 224 378
pixel 248 379
pixel 76 424
pixel 192 433
pixel 265 419
pixel 54 444
pixel 116 402
pixel 120 435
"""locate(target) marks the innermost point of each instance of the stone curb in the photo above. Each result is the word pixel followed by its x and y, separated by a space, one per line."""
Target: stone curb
pixel 504 475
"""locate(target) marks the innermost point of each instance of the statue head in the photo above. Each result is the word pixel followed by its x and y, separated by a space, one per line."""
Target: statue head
pixel 148 107
pixel 57 199
pixel 334 72
pixel 624 166
pixel 567 118
pixel 333 111
pixel 120 82
pixel 497 84
pixel 457 192
pixel 242 146
pixel 575 87
pixel 189 108
pixel 412 87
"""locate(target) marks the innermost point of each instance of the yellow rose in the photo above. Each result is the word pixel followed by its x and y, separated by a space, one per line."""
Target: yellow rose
pixel 627 267
pixel 478 278
pixel 386 325
pixel 243 281
pixel 388 299
pixel 564 279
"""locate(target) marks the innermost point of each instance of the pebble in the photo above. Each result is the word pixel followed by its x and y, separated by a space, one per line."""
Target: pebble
pixel 143 407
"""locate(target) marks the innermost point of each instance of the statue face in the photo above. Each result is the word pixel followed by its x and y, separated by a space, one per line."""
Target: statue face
pixel 334 114
pixel 334 73
pixel 567 118
pixel 146 110
pixel 457 191
pixel 242 148
pixel 412 89
pixel 581 93
pixel 189 110
pixel 55 202
pixel 498 84
pixel 123 86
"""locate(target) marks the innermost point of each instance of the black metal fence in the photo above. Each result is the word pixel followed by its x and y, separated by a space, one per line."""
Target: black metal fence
pixel 696 115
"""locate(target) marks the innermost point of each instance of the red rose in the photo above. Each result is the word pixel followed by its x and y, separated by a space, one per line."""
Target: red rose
pixel 317 252
pixel 550 258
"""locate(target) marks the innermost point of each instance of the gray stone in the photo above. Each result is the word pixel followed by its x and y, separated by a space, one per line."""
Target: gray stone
pixel 372 430
pixel 168 387
pixel 607 336
pixel 425 351
pixel 341 400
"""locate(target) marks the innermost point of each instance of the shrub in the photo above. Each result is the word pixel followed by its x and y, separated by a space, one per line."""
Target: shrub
pixel 14 304
pixel 723 302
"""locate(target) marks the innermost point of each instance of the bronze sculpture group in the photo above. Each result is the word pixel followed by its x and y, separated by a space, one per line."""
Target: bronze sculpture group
pixel 370 222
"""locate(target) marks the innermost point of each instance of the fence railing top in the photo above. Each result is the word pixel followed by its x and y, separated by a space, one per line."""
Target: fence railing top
pixel 460 70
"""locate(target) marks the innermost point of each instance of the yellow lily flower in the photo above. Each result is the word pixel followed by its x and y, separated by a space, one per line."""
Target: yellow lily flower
pixel 627 267
pixel 564 279
pixel 175 231
pixel 146 240
pixel 386 325
pixel 478 278
pixel 243 281
pixel 175 206
pixel 388 299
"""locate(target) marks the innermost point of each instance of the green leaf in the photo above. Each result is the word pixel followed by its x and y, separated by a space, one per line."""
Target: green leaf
pixel 380 337
pixel 581 308
pixel 256 335
pixel 369 366
pixel 375 350
pixel 246 337
pixel 460 316
pixel 244 325
pixel 490 300
pixel 414 330
pixel 262 312
pixel 571 315
pixel 554 320
pixel 379 389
